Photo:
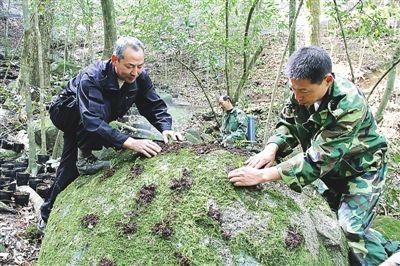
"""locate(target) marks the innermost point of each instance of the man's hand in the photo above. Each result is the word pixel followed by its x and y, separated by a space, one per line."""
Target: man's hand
pixel 266 158
pixel 143 146
pixel 170 133
pixel 248 176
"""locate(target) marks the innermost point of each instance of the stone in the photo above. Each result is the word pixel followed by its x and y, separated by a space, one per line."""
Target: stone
pixel 210 222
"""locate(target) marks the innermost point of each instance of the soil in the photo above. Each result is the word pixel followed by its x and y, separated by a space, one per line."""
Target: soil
pixel 106 262
pixel 136 170
pixel 108 173
pixel 163 229
pixel 182 183
pixel 214 213
pixel 293 238
pixel 128 228
pixel 182 259
pixel 147 194
pixel 90 221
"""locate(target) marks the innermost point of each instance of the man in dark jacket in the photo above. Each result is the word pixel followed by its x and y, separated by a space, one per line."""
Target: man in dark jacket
pixel 99 94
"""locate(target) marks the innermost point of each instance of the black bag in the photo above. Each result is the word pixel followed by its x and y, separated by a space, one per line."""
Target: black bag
pixel 64 113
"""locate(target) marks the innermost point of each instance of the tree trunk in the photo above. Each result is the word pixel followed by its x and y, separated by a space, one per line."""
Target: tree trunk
pixel 24 83
pixel 227 66
pixel 292 13
pixel 110 33
pixel 42 88
pixel 389 89
pixel 315 10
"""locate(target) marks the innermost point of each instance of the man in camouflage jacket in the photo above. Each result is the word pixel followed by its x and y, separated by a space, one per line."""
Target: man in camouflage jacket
pixel 330 119
pixel 234 123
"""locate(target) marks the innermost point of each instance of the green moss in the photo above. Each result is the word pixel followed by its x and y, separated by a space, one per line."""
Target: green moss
pixel 196 235
pixel 388 226
pixel 8 154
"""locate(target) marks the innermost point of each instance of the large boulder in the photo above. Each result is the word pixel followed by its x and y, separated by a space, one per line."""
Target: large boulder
pixel 179 208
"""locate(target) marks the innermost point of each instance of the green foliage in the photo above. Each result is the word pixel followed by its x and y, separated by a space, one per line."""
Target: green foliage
pixel 366 18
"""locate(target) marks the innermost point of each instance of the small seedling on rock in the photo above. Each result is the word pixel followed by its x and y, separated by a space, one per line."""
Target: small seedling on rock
pixel 147 194
pixel 106 262
pixel 90 221
pixel 136 170
pixel 163 229
pixel 107 174
pixel 293 238
pixel 182 259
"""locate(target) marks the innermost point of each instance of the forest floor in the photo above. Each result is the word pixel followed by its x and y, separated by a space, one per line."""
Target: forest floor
pixel 17 247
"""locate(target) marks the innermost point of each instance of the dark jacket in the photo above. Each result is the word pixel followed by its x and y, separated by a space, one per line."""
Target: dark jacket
pixel 100 101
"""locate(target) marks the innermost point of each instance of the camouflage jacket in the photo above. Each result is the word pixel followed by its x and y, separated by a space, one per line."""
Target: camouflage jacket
pixel 234 126
pixel 340 142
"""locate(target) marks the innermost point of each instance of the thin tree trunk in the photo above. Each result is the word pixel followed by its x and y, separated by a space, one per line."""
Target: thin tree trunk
pixel 382 77
pixel 42 88
pixel 203 89
pixel 344 41
pixel 227 65
pixel 23 83
pixel 110 32
pixel 389 89
pixel 278 73
pixel 292 13
pixel 6 43
pixel 314 7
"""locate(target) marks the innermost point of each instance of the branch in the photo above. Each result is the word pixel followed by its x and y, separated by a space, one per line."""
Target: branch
pixel 245 75
pixel 246 36
pixel 202 88
pixel 226 46
pixel 291 30
pixel 344 41
pixel 383 76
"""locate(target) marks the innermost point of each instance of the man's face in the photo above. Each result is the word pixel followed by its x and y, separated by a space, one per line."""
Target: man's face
pixel 307 93
pixel 225 105
pixel 130 67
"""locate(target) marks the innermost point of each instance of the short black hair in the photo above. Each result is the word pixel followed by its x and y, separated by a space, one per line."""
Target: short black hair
pixel 226 98
pixel 311 62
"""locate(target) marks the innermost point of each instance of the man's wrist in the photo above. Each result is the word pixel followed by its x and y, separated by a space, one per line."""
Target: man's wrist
pixel 270 174
pixel 272 147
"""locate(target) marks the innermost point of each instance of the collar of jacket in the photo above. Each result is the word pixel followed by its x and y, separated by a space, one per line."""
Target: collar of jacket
pixel 328 104
pixel 109 77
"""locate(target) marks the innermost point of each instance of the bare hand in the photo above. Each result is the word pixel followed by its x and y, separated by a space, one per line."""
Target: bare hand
pixel 248 176
pixel 266 158
pixel 143 146
pixel 170 133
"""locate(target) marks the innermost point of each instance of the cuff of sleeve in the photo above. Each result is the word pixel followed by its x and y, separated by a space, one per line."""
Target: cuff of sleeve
pixel 119 141
pixel 277 140
pixel 165 127
pixel 288 169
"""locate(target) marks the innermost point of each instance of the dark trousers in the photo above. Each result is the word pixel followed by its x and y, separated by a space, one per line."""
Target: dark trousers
pixel 67 171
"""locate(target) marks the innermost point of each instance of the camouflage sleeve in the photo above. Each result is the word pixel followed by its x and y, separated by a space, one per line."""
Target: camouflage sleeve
pixel 282 135
pixel 240 133
pixel 327 149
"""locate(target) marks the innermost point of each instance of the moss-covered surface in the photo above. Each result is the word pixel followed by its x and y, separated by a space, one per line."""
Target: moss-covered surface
pixel 179 208
pixel 388 226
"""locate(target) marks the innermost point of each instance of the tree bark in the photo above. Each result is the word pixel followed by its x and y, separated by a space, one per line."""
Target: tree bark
pixel 292 13
pixel 389 88
pixel 227 66
pixel 42 88
pixel 24 79
pixel 110 32
pixel 314 7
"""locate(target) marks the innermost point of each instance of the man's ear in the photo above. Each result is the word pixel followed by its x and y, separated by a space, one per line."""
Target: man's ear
pixel 329 78
pixel 113 59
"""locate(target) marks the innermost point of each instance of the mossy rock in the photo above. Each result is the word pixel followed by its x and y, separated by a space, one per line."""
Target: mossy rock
pixel 179 208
